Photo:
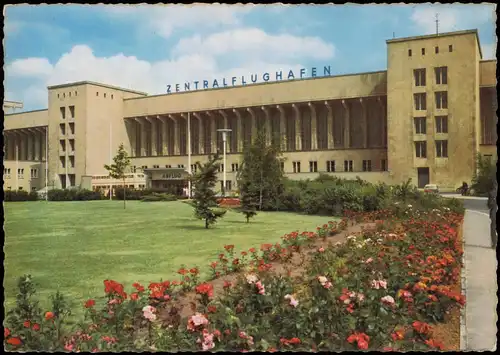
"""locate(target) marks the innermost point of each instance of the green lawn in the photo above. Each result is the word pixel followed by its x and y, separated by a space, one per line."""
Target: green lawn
pixel 74 246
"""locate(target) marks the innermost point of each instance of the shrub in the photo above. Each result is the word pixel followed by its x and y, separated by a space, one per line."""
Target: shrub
pixel 483 180
pixel 19 196
pixel 74 195
pixel 155 197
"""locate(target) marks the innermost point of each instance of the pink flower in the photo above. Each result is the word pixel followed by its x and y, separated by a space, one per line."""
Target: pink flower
pixel 260 287
pixel 388 300
pixel 369 260
pixel 376 284
pixel 196 320
pixel 321 250
pixel 293 301
pixel 361 297
pixel 113 301
pixel 148 312
pixel 327 285
pixel 68 347
pixel 383 284
pixel 251 278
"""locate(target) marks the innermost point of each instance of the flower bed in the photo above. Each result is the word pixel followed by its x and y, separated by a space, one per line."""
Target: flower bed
pixel 385 288
pixel 229 202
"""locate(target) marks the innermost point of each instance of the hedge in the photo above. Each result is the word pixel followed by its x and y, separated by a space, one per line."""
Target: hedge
pixel 74 195
pixel 19 196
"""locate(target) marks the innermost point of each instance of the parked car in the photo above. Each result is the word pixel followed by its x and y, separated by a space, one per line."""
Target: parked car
pixel 432 188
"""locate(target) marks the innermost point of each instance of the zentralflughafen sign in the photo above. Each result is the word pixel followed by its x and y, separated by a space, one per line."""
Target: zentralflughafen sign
pixel 245 80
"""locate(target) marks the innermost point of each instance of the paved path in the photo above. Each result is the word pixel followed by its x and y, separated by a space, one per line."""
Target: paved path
pixel 481 283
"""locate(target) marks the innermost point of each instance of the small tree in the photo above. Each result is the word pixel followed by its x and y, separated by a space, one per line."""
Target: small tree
pixel 118 169
pixel 248 201
pixel 485 177
pixel 204 199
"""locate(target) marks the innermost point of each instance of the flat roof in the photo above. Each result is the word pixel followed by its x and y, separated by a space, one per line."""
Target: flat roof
pixel 86 82
pixel 284 81
pixel 24 112
pixel 444 34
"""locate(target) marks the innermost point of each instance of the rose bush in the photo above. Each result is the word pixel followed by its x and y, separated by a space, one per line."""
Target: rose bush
pixel 383 289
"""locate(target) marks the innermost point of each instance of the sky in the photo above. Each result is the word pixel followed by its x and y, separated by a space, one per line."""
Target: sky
pixel 148 47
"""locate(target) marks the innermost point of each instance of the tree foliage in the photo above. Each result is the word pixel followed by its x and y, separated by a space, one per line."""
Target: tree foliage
pixel 260 179
pixel 117 170
pixel 204 199
pixel 485 176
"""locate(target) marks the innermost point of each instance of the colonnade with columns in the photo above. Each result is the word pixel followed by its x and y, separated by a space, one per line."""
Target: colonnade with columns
pixel 306 126
pixel 26 144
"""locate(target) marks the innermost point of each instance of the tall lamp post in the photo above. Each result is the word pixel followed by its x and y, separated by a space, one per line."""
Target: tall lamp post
pixel 224 131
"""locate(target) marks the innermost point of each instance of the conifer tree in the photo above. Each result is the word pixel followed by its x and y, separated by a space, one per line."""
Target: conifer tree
pixel 118 169
pixel 204 199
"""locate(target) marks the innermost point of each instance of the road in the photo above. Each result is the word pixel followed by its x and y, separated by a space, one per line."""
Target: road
pixel 480 278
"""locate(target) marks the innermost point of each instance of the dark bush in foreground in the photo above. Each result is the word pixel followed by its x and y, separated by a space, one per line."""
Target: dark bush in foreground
pixel 74 195
pixel 19 196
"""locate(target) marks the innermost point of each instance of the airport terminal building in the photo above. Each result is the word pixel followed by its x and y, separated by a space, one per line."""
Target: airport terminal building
pixel 426 117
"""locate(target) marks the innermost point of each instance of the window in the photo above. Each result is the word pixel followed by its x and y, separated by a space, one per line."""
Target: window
pixel 20 172
pixel 450 48
pixel 133 169
pixel 104 95
pixel 442 149
pixel 20 188
pixel 234 167
pixel 168 166
pixel 34 173
pixel 180 166
pixel 228 185
pixel 367 165
pixel 63 162
pixel 69 94
pixel 6 171
pixel 71 161
pixel 194 168
pixel 33 188
pixel 156 166
pixel 63 112
pixel 97 94
pixel 71 145
pixel 409 52
pixel 111 96
pixel 437 50
pixel 144 167
pixel 420 125
pixel 71 128
pixel 57 95
pixel 423 51
pixel 383 165
pixel 313 166
pixel 442 124
pixel 441 75
pixel 442 100
pixel 330 166
pixel 296 166
pixel 348 165
pixel 420 101
pixel 76 93
pixel 62 128
pixel 72 111
pixel 62 143
pixel 221 168
pixel 282 164
pixel 419 75
pixel 421 149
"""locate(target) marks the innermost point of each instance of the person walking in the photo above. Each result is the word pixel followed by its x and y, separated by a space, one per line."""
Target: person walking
pixel 492 205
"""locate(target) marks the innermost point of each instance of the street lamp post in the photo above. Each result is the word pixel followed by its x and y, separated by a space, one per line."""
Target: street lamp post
pixel 224 131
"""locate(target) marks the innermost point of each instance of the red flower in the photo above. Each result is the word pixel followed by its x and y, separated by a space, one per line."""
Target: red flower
pixel 434 344
pixel 49 315
pixel 134 296
pixel 14 341
pixel 112 287
pixel 398 335
pixel 182 271
pixel 252 250
pixel 138 287
pixel 27 324
pixel 36 327
pixel 205 289
pixel 243 253
pixel 362 344
pixel 227 284
pixel 6 332
pixel 213 265
pixel 421 327
pixel 194 271
pixel 89 304
pixel 229 247
pixel 294 341
pixel 212 309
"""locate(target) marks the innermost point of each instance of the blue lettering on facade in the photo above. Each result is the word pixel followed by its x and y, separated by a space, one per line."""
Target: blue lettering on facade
pixel 254 78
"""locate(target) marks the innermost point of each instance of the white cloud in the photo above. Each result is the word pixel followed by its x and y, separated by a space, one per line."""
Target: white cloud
pixel 30 67
pixel 451 17
pixel 222 55
pixel 256 43
pixel 164 20
pixel 489 51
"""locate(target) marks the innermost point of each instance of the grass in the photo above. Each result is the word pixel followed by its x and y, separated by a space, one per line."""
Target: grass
pixel 74 246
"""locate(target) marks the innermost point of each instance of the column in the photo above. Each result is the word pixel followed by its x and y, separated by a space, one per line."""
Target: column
pixel 154 136
pixel 329 123
pixel 164 135
pixel 176 135
pixel 201 139
pixel 314 127
pixel 36 138
pixel 365 122
pixel 130 126
pixel 229 136
pixel 254 124
pixel 144 137
pixel 239 128
pixel 267 124
pixel 43 147
pixel 298 128
pixel 347 129
pixel 283 136
pixel 213 132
